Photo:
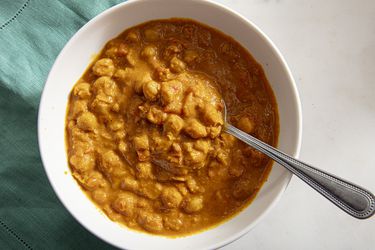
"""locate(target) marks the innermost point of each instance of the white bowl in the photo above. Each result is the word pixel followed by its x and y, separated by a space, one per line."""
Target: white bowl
pixel 74 59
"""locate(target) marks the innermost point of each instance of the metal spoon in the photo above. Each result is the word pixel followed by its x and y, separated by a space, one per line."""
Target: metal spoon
pixel 353 199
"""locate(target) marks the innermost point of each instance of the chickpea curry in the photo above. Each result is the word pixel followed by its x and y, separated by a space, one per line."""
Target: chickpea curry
pixel 144 127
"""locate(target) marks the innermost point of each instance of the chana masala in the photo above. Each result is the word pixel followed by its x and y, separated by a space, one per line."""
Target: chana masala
pixel 144 127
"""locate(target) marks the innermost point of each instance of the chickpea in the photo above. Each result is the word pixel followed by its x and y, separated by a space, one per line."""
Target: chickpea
pixel 236 170
pixel 193 156
pixel 100 196
pixel 82 163
pixel 131 58
pixel 189 108
pixel 141 146
pixel 106 86
pixel 149 52
pixel 87 121
pixel 202 145
pixel 195 129
pixel 212 116
pixel 173 124
pixel 172 50
pixel 123 147
pixel 151 34
pixel 163 74
pixel 144 170
pixel 104 67
pixel 151 90
pixel 214 131
pixel 173 222
pixel 190 56
pixel 193 204
pixel 150 221
pixel 156 115
pixel 94 181
pixel 116 125
pixel 110 161
pixel 170 91
pixel 246 125
pixel 140 81
pixel 242 189
pixel 177 65
pixel 192 185
pixel 125 204
pixel 141 142
pixel 130 184
pixel 79 107
pixel 132 37
pixel 170 197
pixel 111 52
pixel 82 90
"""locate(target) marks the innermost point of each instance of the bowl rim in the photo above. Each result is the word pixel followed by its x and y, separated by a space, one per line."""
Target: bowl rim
pixel 278 55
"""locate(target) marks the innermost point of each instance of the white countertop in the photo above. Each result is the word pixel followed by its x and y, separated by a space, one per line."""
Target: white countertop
pixel 330 48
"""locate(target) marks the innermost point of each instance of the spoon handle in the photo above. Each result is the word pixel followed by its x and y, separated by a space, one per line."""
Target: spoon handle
pixel 355 200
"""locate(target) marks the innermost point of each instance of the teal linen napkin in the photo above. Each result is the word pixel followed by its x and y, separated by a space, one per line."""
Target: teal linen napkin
pixel 32 33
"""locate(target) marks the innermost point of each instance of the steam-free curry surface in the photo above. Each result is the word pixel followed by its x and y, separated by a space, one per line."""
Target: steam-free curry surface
pixel 145 133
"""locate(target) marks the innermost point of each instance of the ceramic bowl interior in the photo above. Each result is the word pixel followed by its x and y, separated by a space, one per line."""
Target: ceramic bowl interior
pixel 74 59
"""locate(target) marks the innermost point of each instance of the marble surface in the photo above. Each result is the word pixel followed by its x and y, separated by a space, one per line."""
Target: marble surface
pixel 330 48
